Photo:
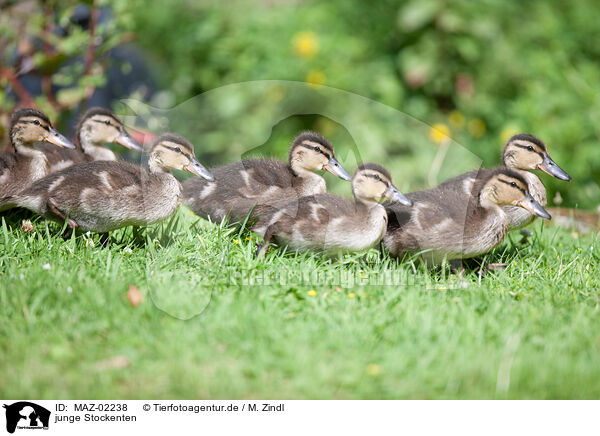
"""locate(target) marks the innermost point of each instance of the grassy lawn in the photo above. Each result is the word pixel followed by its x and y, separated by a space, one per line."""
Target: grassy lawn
pixel 318 328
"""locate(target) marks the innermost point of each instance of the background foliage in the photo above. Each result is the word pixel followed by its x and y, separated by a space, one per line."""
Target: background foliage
pixel 483 70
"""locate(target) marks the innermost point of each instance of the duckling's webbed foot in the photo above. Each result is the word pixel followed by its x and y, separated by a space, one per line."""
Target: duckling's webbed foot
pixel 525 235
pixel 72 224
pixel 457 267
pixel 261 248
pixel 104 239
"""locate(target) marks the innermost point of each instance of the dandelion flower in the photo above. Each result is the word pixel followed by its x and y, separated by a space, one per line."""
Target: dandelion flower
pixel 456 119
pixel 439 133
pixel 305 44
pixel 235 241
pixel 508 132
pixel 315 78
pixel 373 369
pixel 476 128
pixel 312 292
pixel 351 295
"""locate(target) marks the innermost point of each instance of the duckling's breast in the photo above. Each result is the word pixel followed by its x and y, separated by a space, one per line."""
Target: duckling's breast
pixel 334 234
pixel 519 217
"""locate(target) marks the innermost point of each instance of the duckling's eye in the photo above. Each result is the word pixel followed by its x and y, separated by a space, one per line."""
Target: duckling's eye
pixel 316 149
pixel 530 148
pixel 37 122
pixel 107 122
pixel 513 184
pixel 178 150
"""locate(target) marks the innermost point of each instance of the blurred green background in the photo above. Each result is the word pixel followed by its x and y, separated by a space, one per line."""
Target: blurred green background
pixel 477 71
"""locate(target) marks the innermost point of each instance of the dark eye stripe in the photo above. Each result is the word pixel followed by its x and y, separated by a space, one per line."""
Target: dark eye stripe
pixel 43 126
pixel 378 178
pixel 509 184
pixel 176 151
pixel 311 147
pixel 526 147
pixel 104 123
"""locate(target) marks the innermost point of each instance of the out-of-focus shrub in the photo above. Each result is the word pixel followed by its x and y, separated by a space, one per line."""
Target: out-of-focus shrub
pixel 484 69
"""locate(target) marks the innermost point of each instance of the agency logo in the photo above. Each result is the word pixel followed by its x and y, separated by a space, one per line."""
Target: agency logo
pixel 26 415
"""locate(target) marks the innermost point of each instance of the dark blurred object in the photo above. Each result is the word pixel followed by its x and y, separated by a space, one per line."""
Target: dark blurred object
pixel 49 66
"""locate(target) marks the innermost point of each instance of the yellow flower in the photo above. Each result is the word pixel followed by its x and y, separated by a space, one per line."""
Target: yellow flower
pixel 507 132
pixel 456 119
pixel 476 128
pixel 442 288
pixel 315 78
pixel 312 292
pixel 351 295
pixel 235 241
pixel 305 44
pixel 373 369
pixel 439 133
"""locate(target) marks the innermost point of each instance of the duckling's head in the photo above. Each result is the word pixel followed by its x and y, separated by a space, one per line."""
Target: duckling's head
pixel 505 187
pixel 310 152
pixel 28 126
pixel 173 152
pixel 372 183
pixel 526 152
pixel 99 126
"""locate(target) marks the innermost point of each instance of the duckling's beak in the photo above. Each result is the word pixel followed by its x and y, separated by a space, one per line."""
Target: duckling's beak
pixel 334 167
pixel 57 139
pixel 393 194
pixel 127 141
pixel 549 167
pixel 198 169
pixel 529 204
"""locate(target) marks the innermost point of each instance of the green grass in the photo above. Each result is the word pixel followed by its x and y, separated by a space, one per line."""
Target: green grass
pixel 68 331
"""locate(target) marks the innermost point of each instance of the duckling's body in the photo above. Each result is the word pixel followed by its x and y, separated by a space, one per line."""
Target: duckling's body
pixel 446 223
pixel 27 164
pixel 240 186
pixel 102 196
pixel 20 170
pixel 522 153
pixel 96 127
pixel 331 223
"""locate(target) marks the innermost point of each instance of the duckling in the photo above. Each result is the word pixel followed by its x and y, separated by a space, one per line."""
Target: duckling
pixel 331 223
pixel 523 153
pixel 101 196
pixel 27 164
pixel 96 127
pixel 446 223
pixel 240 186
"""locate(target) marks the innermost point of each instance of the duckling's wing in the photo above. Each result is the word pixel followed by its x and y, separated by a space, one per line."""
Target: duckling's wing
pixel 238 187
pixel 8 161
pixel 462 183
pixel 318 209
pixel 443 220
pixel 60 158
pixel 66 187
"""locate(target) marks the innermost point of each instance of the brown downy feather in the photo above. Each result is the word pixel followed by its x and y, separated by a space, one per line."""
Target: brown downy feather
pixel 241 186
pixel 330 223
pixel 447 223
